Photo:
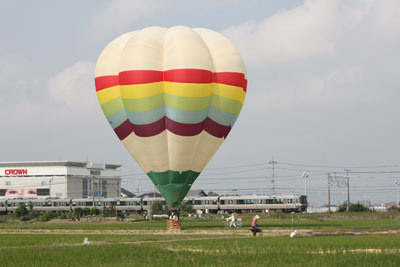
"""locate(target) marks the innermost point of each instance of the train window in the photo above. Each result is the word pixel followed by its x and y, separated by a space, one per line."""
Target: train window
pixel 272 201
pixel 289 201
pixel 214 202
pixel 137 203
pixel 303 199
pixel 259 201
pixel 230 201
pixel 207 202
pixel 249 201
pixel 197 202
pixel 144 202
pixel 240 201
pixel 222 202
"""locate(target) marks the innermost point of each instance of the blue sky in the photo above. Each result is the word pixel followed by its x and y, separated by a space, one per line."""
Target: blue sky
pixel 323 88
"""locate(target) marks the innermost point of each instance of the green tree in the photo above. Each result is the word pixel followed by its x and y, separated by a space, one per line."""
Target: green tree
pixel 21 211
pixel 94 211
pixel 47 216
pixel 157 207
pixel 186 207
pixel 78 212
pixel 357 207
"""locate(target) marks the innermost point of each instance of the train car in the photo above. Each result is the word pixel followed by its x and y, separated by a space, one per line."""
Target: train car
pixel 128 204
pixel 266 203
pixel 3 206
pixel 50 204
pixel 209 204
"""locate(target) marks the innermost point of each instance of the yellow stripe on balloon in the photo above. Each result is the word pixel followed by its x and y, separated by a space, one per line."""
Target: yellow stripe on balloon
pixel 137 91
pixel 229 91
pixel 108 94
pixel 188 89
pixel 143 90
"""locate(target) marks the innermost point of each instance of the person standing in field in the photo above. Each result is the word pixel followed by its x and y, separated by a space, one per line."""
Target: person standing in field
pixel 254 225
pixel 233 220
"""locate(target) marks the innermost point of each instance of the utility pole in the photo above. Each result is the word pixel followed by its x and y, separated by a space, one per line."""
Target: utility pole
pixel 398 194
pixel 329 193
pixel 305 177
pixel 273 173
pixel 348 189
pixel 93 189
pixel 50 187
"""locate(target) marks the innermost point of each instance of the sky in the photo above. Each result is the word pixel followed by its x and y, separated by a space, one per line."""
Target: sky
pixel 323 90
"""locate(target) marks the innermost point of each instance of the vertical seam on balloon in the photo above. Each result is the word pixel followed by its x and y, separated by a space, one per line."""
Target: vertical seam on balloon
pixel 166 128
pixel 208 108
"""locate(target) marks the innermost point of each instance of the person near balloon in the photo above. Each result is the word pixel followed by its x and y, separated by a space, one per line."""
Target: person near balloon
pixel 254 226
pixel 232 220
pixel 174 217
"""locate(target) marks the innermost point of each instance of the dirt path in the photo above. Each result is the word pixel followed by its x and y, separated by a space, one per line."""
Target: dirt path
pixel 200 232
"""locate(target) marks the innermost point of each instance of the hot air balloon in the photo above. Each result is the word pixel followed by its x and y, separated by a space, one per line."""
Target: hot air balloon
pixel 172 96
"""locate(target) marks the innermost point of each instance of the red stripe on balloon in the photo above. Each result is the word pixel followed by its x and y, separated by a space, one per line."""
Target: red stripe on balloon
pixel 140 76
pixel 152 129
pixel 177 75
pixel 231 78
pixel 188 76
pixel 182 129
pixel 124 130
pixel 104 82
pixel 216 129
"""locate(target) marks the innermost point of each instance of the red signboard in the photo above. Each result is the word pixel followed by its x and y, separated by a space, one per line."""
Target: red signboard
pixel 15 171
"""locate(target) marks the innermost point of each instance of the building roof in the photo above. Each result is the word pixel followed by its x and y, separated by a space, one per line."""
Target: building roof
pixel 151 194
pixel 85 164
pixel 126 193
pixel 196 193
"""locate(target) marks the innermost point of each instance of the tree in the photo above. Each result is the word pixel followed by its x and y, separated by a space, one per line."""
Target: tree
pixel 186 207
pixel 157 207
pixel 78 212
pixel 21 211
pixel 354 207
pixel 94 211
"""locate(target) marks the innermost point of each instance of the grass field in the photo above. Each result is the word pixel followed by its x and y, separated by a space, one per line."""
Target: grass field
pixel 324 241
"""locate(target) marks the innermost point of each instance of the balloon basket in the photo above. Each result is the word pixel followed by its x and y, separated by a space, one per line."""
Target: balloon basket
pixel 173 225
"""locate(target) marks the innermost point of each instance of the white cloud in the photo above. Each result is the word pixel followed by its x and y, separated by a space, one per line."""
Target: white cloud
pixel 72 90
pixel 118 15
pixel 322 53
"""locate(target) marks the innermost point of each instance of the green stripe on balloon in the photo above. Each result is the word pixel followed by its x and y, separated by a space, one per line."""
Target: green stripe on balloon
pixel 173 185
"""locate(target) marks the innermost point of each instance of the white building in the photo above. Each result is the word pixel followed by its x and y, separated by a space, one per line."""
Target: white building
pixel 62 179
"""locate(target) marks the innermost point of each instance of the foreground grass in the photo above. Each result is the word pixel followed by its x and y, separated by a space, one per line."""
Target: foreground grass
pixel 259 251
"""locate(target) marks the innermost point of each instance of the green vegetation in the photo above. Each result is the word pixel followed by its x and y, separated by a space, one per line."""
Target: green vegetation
pixel 181 250
pixel 341 239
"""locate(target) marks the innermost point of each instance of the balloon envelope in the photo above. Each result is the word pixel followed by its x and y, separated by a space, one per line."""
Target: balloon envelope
pixel 171 95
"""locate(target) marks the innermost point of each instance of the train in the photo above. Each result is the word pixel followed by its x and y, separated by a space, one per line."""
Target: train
pixel 200 204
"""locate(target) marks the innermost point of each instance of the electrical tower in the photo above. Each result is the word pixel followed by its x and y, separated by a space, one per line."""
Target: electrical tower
pixel 273 173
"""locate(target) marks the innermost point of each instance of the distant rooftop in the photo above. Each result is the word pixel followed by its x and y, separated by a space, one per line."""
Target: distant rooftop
pixel 66 163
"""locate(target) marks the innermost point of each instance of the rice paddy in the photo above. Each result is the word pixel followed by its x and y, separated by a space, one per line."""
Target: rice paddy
pixel 319 242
